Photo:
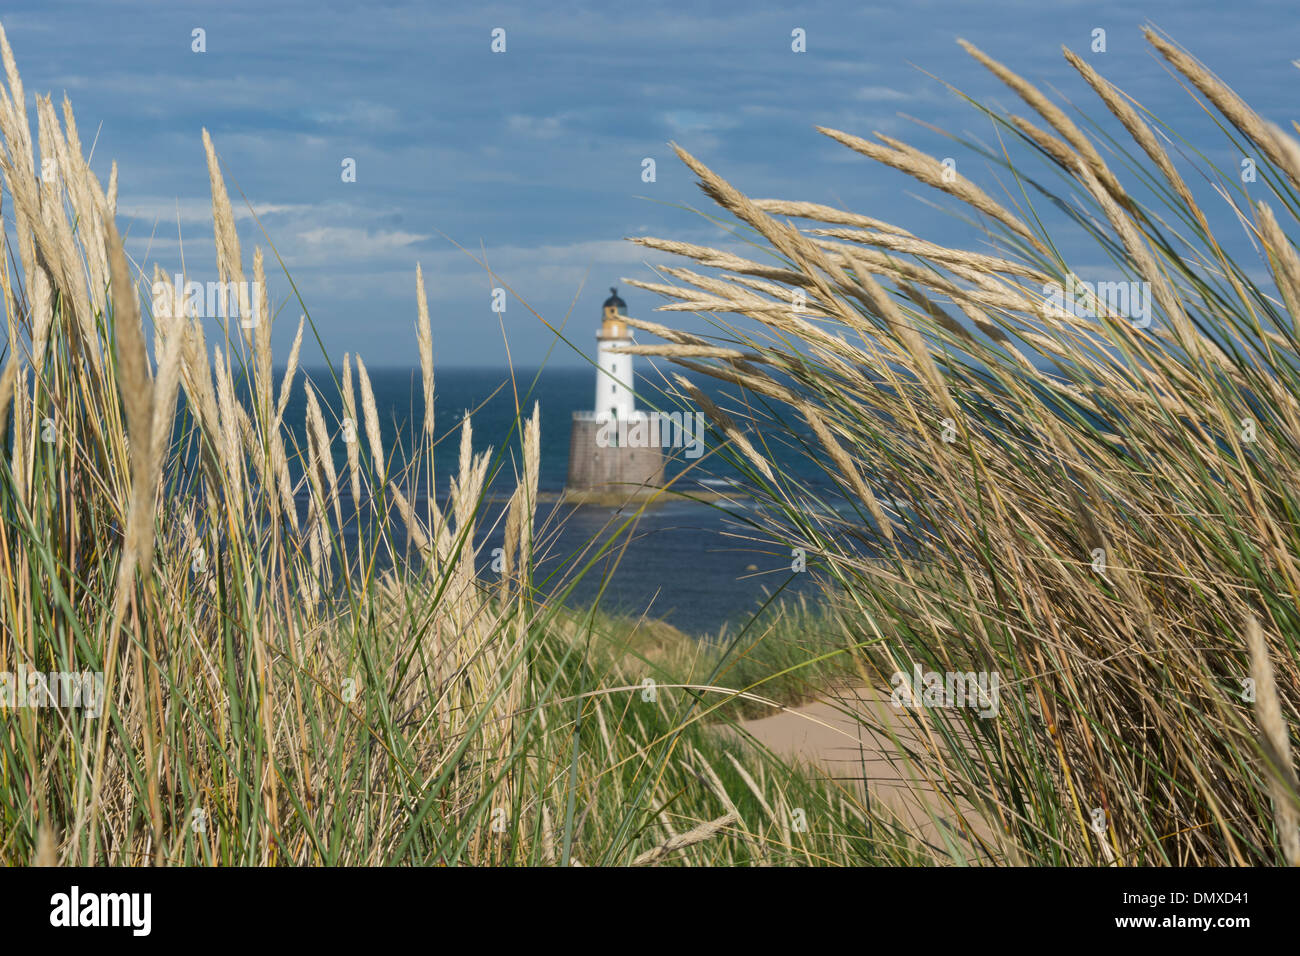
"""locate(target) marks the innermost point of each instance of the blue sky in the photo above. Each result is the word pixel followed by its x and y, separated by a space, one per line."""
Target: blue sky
pixel 533 156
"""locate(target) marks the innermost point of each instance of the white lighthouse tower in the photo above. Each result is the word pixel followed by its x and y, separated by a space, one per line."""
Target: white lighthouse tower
pixel 609 460
pixel 614 377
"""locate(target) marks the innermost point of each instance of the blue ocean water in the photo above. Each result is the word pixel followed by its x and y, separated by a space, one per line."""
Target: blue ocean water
pixel 695 565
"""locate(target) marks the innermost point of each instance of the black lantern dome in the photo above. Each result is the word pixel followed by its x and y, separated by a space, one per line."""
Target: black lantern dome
pixel 614 302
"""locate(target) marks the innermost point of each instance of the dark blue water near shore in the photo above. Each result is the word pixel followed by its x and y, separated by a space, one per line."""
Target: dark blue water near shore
pixel 694 565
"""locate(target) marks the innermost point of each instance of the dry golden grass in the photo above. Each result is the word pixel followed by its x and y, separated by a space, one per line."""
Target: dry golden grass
pixel 278 691
pixel 1095 505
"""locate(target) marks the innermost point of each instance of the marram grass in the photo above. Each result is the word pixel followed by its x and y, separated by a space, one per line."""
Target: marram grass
pixel 1075 503
pixel 271 697
pixel 1097 504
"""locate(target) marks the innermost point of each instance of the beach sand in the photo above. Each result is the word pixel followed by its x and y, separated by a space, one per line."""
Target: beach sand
pixel 847 736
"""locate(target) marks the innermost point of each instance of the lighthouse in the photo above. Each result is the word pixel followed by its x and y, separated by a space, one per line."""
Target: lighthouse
pixel 611 459
pixel 614 397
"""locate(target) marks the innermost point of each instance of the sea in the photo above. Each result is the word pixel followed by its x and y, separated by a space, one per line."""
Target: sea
pixel 701 566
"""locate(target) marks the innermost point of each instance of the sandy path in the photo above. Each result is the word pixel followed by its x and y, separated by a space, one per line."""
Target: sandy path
pixel 849 751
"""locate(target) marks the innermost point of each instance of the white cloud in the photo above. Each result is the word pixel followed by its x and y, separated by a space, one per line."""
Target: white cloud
pixel 350 242
pixel 883 94
pixel 231 91
pixel 694 121
pixel 539 127
pixel 364 114
pixel 162 210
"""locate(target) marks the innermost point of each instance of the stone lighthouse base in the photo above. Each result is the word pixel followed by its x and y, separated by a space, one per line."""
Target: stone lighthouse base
pixel 609 475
